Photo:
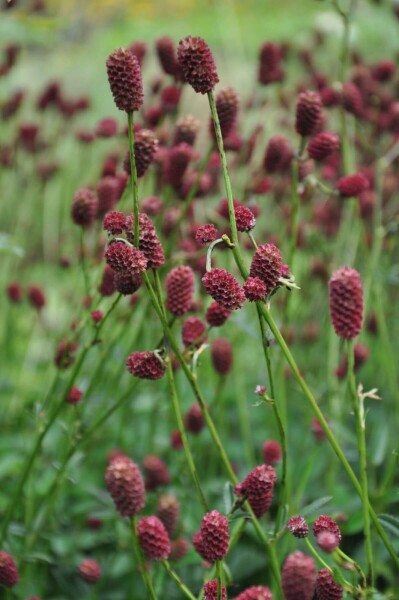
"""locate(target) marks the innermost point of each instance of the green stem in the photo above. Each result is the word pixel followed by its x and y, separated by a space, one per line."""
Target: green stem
pixel 316 554
pixel 177 580
pixel 84 263
pixel 135 192
pixel 219 571
pixel 141 562
pixel 340 554
pixel 357 403
pixel 295 204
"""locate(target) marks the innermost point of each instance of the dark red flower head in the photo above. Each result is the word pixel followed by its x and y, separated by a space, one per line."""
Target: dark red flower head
pixel 298 527
pixel 211 590
pixel 272 452
pixel 326 588
pixel 186 130
pixel 255 592
pixel 323 145
pixel 308 113
pixel 258 487
pixel 145 365
pixel 179 285
pixel 114 222
pixel 245 218
pixel 227 109
pixel 223 287
pixel 352 185
pixel 346 302
pixel 216 314
pixel 193 332
pixel 153 538
pixel 254 289
pixel 206 234
pixel 145 148
pixel 124 76
pixel 156 472
pixel 90 570
pixel 215 536
pixel 166 51
pixel 84 208
pixel 194 419
pixel 139 49
pixel 126 486
pixel 222 355
pixel 124 257
pixel 278 155
pixel 107 194
pixel 298 576
pixel 36 297
pixel 168 511
pixel 9 575
pixel 149 243
pixel 266 264
pixel 74 395
pixel 197 64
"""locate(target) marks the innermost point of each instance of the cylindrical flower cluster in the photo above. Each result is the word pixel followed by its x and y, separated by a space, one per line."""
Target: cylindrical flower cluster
pixel 346 302
pixel 215 535
pixel 124 76
pixel 126 486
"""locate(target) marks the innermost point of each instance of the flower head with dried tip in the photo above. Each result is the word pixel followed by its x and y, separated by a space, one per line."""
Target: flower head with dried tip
pixel 145 365
pixel 245 218
pixel 346 302
pixel 9 575
pixel 298 576
pixel 266 265
pixel 186 130
pixel 197 64
pixel 124 76
pixel 309 112
pixel 222 355
pixel 255 592
pixel 84 208
pixel 153 538
pixel 126 486
pixel 179 285
pixel 254 289
pixel 352 185
pixel 215 535
pixel 90 570
pixel 216 314
pixel 211 590
pixel 298 527
pixel 326 588
pixel 223 287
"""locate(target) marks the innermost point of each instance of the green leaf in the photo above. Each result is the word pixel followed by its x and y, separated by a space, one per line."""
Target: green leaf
pixel 390 523
pixel 314 507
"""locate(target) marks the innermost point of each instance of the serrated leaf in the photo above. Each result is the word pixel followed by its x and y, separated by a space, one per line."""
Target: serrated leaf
pixel 228 497
pixel 314 507
pixel 390 523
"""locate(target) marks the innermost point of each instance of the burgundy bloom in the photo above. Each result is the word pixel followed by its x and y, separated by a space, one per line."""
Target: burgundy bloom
pixel 352 185
pixel 245 219
pixel 194 419
pixel 166 51
pixel 74 395
pixel 266 265
pixel 278 155
pixel 298 527
pixel 168 511
pixel 124 76
pixel 346 302
pixel 193 332
pixel 139 49
pixel 323 145
pixel 180 547
pixel 298 576
pixel 64 354
pixel 14 292
pixel 272 452
pixel 9 575
pixel 258 487
pixel 107 194
pixel 197 64
pixel 215 536
pixel 107 285
pixel 36 297
pixel 223 287
pixel 153 538
pixel 170 98
pixel 216 314
pixel 176 163
pixel 324 523
pixel 186 130
pixel 145 148
pixel 211 590
pixel 222 355
pixel 84 208
pixel 270 70
pixel 106 128
pixel 179 285
pixel 114 222
pixel 326 588
pixel 124 257
pixel 255 592
pixel 145 365
pixel 90 570
pixel 156 472
pixel 308 113
pixel 126 486
pixel 149 243
pixel 227 109
pixel 254 289
pixel 206 234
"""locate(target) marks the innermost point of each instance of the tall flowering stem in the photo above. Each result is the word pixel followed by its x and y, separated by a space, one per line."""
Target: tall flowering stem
pixel 141 562
pixel 135 191
pixel 184 589
pixel 295 203
pixel 358 408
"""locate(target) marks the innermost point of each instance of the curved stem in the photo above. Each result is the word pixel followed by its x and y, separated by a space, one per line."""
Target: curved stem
pixel 357 403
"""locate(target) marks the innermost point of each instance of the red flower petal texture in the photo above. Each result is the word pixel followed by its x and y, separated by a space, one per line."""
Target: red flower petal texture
pixel 298 527
pixel 308 113
pixel 180 547
pixel 278 155
pixel 107 194
pixel 298 576
pixel 126 486
pixel 179 285
pixel 272 452
pixel 255 592
pixel 90 570
pixel 166 51
pixel 84 208
pixel 124 257
pixel 177 160
pixel 145 148
pixel 145 365
pixel 206 234
pixel 227 109
pixel 197 64
pixel 194 419
pixel 323 145
pixel 139 49
pixel 222 355
pixel 198 544
pixel 326 588
pixel 216 314
pixel 266 264
pixel 245 218
pixel 270 69
pixel 156 472
pixel 215 535
pixel 124 76
pixel 352 185
pixel 193 330
pixel 186 130
pixel 149 243
pixel 258 487
pixel 223 287
pixel 9 575
pixel 254 289
pixel 114 222
pixel 211 590
pixel 127 283
pixel 107 285
pixel 325 523
pixel 168 511
pixel 346 302
pixel 153 538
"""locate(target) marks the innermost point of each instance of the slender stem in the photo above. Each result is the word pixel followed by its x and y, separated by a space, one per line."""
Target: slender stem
pixel 84 263
pixel 229 193
pixel 340 554
pixel 295 204
pixel 177 580
pixel 135 192
pixel 316 554
pixel 358 408
pixel 141 562
pixel 219 571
